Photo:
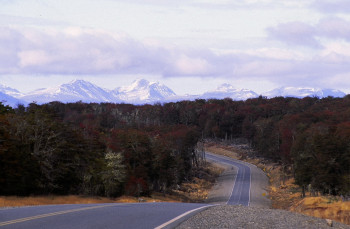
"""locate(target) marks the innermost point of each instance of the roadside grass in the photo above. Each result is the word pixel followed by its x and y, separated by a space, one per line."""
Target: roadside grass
pixel 16 201
pixel 284 193
pixel 324 207
pixel 195 191
pixel 198 189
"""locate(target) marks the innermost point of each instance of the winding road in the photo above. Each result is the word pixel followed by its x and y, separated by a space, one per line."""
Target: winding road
pixel 139 215
pixel 240 194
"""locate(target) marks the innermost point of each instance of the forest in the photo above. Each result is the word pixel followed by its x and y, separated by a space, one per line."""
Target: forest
pixel 113 149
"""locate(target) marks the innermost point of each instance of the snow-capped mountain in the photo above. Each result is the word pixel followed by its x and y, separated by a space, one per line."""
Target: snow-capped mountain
pixel 10 91
pixel 333 93
pixel 71 92
pixel 228 91
pixel 140 91
pixel 143 91
pixel 301 92
pixel 10 100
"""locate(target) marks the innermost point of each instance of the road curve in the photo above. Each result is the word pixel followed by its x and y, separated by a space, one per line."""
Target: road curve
pixel 240 192
pixel 142 215
pixel 139 215
pixel 250 184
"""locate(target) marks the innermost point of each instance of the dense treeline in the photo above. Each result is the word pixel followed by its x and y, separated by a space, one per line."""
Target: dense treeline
pixel 90 149
pixel 111 149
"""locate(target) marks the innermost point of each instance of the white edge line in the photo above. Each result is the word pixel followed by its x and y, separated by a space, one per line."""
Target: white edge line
pixel 234 182
pixel 250 184
pixel 180 216
pixel 239 162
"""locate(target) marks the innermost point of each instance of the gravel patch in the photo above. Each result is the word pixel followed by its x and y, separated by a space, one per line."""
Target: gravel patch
pixel 225 216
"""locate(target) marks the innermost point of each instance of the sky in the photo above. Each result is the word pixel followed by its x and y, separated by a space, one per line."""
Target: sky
pixel 192 46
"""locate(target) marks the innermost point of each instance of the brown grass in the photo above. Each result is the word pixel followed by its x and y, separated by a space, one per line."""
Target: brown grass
pixel 15 201
pixel 197 190
pixel 284 193
pixel 324 207
pixel 12 201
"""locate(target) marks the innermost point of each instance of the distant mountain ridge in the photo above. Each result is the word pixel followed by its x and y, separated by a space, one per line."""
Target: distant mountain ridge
pixel 228 91
pixel 76 90
pixel 142 91
pixel 10 100
pixel 301 92
pixel 10 96
pixel 139 92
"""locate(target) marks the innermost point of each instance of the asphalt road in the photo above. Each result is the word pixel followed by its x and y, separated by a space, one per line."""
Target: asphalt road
pixel 241 176
pixel 139 215
pixel 142 215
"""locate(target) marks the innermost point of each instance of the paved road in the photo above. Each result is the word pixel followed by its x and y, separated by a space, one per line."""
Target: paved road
pixel 240 192
pixel 142 215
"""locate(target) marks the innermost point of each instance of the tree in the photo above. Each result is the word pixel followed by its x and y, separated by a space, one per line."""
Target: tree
pixel 19 170
pixel 114 174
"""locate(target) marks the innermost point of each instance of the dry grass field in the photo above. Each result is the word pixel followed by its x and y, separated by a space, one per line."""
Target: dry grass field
pixel 324 207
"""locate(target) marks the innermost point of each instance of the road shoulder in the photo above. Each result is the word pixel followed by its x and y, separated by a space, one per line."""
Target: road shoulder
pixel 259 185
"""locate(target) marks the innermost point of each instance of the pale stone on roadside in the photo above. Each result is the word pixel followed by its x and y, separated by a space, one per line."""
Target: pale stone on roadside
pixel 329 222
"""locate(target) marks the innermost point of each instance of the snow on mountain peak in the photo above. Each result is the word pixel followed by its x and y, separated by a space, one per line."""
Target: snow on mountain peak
pixel 139 84
pixel 73 91
pixel 228 91
pixel 10 100
pixel 300 92
pixel 225 87
pixel 142 90
pixel 10 91
pixel 80 83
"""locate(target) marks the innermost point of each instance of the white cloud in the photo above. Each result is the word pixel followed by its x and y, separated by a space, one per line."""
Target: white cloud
pixel 192 66
pixel 278 53
pixel 94 52
pixel 264 68
pixel 295 33
pixel 33 58
pixel 332 6
pixel 303 34
pixel 223 3
pixel 338 47
pixel 333 27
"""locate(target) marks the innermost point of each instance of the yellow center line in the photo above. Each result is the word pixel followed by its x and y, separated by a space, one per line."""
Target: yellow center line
pixel 49 214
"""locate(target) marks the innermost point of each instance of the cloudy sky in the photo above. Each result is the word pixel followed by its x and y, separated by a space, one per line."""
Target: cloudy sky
pixel 190 45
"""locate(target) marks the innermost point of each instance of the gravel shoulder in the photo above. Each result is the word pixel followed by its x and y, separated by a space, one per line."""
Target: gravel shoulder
pixel 259 213
pixel 228 216
pixel 259 186
pixel 222 189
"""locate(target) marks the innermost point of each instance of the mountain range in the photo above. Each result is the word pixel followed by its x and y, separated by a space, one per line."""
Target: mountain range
pixel 301 92
pixel 142 91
